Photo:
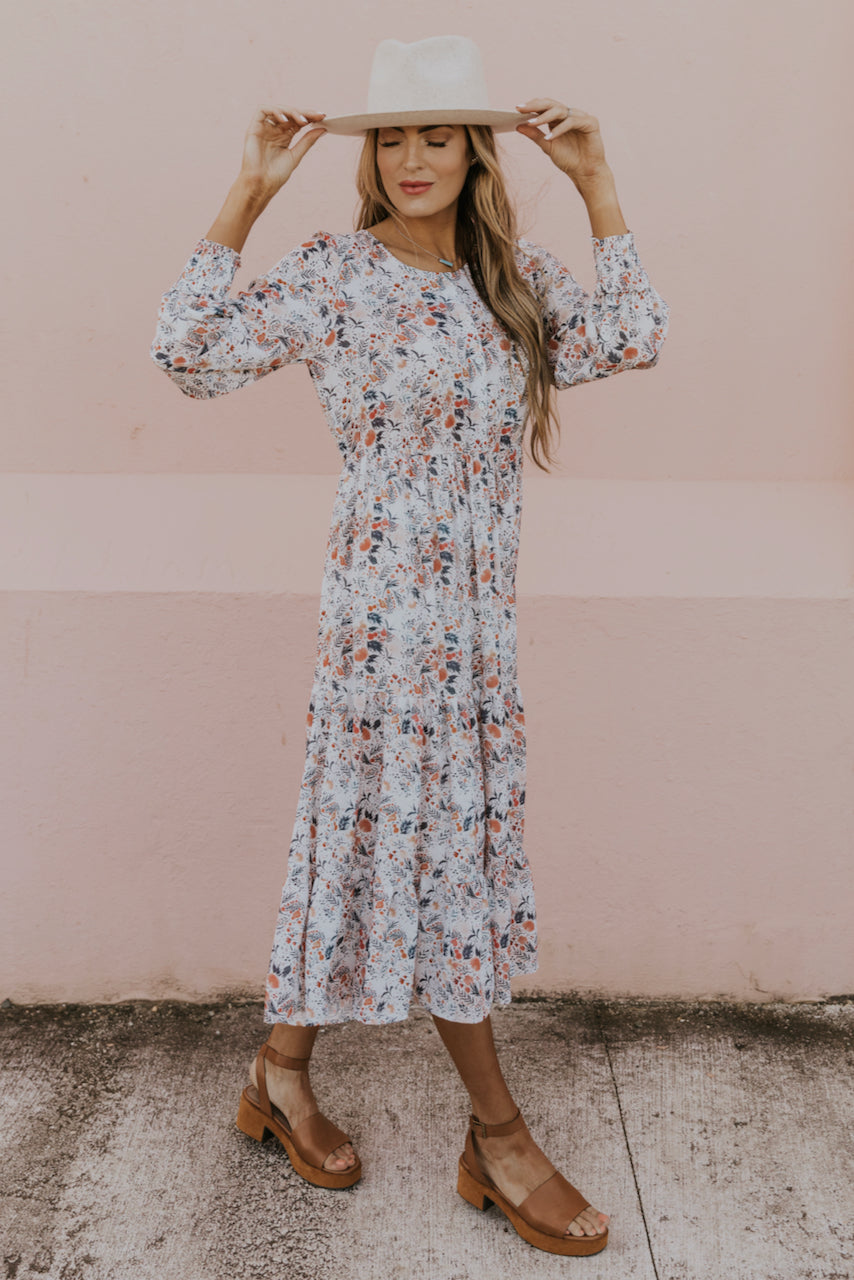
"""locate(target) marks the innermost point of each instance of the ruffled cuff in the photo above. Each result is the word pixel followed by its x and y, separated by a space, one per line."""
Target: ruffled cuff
pixel 211 267
pixel 618 267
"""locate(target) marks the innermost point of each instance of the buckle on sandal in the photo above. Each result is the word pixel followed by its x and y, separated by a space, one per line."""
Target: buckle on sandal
pixel 475 1124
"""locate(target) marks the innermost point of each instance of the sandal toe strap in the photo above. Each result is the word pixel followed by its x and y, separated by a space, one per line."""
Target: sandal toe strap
pixel 553 1205
pixel 316 1137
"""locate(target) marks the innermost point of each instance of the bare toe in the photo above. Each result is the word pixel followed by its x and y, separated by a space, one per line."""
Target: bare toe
pixel 588 1223
pixel 341 1158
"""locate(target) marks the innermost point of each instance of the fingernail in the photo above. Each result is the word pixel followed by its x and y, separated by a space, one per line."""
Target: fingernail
pixel 548 133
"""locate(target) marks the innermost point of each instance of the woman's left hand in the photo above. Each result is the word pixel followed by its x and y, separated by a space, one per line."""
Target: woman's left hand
pixel 575 145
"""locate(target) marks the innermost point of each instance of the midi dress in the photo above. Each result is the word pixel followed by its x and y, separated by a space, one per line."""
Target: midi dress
pixel 407 877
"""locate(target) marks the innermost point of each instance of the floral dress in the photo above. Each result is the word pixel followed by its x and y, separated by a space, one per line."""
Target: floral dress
pixel 407 876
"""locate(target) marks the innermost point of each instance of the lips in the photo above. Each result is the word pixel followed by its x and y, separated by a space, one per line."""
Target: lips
pixel 415 188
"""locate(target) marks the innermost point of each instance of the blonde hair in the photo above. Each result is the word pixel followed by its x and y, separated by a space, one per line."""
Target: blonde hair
pixel 486 240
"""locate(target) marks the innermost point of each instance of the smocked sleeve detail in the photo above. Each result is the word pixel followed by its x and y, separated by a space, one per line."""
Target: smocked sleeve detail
pixel 621 326
pixel 209 343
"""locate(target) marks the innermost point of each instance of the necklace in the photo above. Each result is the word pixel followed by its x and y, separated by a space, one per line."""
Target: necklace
pixel 432 255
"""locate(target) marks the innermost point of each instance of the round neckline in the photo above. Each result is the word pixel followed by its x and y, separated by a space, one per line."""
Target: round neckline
pixel 421 271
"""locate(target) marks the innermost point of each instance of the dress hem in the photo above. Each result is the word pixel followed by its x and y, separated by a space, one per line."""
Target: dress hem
pixel 501 999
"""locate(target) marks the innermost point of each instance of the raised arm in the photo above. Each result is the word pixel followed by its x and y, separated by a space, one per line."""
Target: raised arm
pixel 623 324
pixel 620 326
pixel 210 344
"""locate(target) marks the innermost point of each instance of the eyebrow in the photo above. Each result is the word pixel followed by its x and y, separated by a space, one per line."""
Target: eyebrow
pixel 394 128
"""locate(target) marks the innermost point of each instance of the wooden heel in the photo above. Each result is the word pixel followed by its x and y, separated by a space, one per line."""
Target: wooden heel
pixel 310 1143
pixel 250 1120
pixel 471 1190
pixel 551 1205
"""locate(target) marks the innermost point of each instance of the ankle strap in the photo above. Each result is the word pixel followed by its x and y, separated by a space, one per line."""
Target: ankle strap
pixel 282 1060
pixel 496 1130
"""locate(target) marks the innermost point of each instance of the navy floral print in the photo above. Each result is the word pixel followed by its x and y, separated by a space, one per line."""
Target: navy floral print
pixel 407 876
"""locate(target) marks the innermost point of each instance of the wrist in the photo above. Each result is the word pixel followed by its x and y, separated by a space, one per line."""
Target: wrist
pixel 245 202
pixel 251 192
pixel 597 187
pixel 599 193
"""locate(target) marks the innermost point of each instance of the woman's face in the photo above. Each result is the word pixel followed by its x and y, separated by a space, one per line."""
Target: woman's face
pixel 436 156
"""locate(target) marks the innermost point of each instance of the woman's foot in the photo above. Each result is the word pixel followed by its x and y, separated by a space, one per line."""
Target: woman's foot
pixel 291 1092
pixel 517 1166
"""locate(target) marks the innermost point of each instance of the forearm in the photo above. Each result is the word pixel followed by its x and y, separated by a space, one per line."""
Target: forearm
pixel 243 206
pixel 600 196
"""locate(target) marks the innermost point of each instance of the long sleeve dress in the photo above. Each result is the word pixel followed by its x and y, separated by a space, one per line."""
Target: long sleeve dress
pixel 407 876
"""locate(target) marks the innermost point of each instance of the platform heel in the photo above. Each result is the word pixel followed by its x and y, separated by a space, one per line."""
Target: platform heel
pixel 250 1121
pixel 543 1216
pixel 308 1143
pixel 471 1190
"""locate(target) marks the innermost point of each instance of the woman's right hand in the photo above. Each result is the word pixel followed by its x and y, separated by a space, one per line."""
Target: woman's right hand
pixel 268 157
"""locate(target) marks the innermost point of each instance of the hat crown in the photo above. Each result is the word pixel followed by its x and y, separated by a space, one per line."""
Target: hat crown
pixel 443 72
pixel 438 80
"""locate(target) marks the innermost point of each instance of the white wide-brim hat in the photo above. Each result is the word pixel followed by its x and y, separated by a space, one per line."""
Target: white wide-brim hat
pixel 439 80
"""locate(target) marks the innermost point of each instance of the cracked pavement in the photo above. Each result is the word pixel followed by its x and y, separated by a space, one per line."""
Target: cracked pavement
pixel 719 1137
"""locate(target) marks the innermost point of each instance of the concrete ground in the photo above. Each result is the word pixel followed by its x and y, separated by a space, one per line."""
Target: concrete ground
pixel 720 1138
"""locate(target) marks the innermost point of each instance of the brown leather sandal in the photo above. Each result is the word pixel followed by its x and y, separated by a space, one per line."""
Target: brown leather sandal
pixel 543 1216
pixel 308 1143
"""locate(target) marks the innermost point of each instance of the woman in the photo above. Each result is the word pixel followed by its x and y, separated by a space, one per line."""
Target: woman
pixel 433 335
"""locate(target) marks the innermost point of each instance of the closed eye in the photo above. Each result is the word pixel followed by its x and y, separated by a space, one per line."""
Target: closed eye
pixel 429 144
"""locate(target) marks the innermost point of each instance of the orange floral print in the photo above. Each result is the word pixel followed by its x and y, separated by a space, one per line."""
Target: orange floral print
pixel 407 876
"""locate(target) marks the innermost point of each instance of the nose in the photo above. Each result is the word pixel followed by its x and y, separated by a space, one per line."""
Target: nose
pixel 412 161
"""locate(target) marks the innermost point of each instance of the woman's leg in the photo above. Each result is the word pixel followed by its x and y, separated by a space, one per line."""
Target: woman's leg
pixel 291 1091
pixel 514 1162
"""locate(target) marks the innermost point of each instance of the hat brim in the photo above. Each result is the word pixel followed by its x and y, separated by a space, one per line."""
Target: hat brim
pixel 500 121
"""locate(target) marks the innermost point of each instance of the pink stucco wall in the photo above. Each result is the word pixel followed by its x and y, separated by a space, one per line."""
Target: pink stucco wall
pixel 686 576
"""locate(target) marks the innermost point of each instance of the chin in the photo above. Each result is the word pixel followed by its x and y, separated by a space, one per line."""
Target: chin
pixel 418 207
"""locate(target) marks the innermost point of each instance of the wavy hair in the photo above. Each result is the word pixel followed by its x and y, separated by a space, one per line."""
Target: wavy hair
pixel 486 241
